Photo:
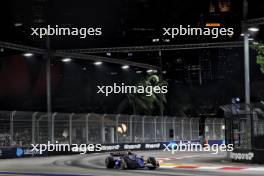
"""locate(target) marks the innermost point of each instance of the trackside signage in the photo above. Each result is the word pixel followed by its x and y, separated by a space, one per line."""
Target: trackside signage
pixel 110 147
pixel 12 152
pixel 242 156
pixel 152 146
pixel 247 156
pixel 132 146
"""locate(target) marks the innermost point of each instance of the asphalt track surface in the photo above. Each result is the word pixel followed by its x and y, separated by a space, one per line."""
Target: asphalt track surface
pixel 179 164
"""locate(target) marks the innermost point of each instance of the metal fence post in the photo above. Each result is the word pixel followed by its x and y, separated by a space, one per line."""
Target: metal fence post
pixel 12 127
pixel 174 128
pixel 214 136
pixel 222 129
pixel 33 127
pixel 155 129
pixel 191 136
pixel 52 126
pixel 87 128
pixel 182 129
pixel 162 128
pixel 131 128
pixel 143 129
pixel 70 127
pixel 103 129
pixel 116 124
pixel 165 129
pixel 38 128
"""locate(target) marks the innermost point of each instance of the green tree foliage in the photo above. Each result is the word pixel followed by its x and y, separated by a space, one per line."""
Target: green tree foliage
pixel 259 47
pixel 147 105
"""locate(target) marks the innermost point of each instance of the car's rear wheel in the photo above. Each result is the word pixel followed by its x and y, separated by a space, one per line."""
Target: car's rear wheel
pixel 110 162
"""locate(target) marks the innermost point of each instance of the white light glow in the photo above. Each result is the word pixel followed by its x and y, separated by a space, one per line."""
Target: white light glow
pixel 125 67
pixel 66 60
pixel 149 71
pixel 152 71
pixel 108 54
pixel 98 63
pixel 120 130
pixel 28 54
pixel 155 40
pixel 253 29
pixel 18 24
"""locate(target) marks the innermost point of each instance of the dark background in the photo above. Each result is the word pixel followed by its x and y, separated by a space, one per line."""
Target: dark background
pixel 125 23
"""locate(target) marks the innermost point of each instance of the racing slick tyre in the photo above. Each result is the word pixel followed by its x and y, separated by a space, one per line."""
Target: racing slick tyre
pixel 110 162
pixel 153 163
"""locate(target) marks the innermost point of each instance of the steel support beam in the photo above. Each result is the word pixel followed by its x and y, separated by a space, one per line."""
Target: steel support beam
pixel 156 48
pixel 23 48
pixel 104 59
pixel 252 22
pixel 75 55
pixel 79 53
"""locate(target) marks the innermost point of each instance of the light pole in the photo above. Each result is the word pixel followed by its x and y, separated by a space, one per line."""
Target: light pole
pixel 246 55
pixel 247 76
pixel 48 88
pixel 246 67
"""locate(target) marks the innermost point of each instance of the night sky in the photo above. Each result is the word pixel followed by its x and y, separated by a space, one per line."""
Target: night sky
pixel 124 23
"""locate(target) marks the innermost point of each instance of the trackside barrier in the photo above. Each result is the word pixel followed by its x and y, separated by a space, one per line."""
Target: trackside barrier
pixel 25 128
pixel 16 152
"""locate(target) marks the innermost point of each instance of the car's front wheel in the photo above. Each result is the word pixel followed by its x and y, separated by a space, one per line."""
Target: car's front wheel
pixel 152 163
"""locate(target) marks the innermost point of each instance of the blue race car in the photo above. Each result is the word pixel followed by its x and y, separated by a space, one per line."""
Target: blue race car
pixel 130 160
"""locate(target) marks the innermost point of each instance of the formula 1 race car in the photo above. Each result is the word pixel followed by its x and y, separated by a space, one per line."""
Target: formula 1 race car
pixel 130 160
